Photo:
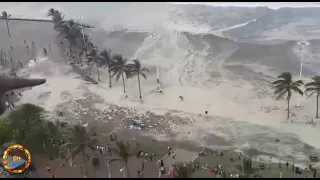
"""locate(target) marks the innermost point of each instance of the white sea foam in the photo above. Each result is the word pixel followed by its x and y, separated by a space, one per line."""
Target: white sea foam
pixel 234 112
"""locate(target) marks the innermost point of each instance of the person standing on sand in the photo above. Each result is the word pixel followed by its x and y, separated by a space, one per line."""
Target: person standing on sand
pixel 293 167
pixel 296 173
pixel 33 45
pixel 300 173
pixel 314 173
pixel 45 51
pixel 206 112
pixel 142 165
pixel 139 174
pixel 21 65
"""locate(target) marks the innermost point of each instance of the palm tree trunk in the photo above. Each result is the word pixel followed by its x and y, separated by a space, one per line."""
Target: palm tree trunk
pixel 139 85
pixel 89 68
pixel 288 113
pixel 8 28
pixel 70 50
pixel 85 163
pixel 317 115
pixel 124 86
pixel 109 76
pixel 80 61
pixel 97 70
pixel 127 169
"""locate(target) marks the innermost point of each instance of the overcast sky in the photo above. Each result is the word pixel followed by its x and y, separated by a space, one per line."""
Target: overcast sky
pixel 273 5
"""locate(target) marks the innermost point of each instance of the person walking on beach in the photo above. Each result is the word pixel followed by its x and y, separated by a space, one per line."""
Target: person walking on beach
pixel 293 167
pixel 33 46
pixel 296 172
pixel 48 168
pixel 300 173
pixel 314 173
pixel 142 165
pixel 21 65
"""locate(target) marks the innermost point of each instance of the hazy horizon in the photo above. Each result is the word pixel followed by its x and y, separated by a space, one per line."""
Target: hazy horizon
pixel 272 5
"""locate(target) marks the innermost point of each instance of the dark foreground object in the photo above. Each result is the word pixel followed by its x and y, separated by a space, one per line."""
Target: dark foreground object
pixel 8 83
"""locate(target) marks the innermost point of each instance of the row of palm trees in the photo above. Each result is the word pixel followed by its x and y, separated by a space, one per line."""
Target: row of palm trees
pixel 79 140
pixel 6 16
pixel 80 44
pixel 285 86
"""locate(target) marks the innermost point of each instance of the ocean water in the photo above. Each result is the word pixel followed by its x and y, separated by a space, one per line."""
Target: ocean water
pixel 188 61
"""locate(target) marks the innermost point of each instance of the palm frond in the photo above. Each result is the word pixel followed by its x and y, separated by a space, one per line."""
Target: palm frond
pixel 297 90
pixel 286 76
pixel 280 81
pixel 297 83
pixel 143 75
pixel 281 94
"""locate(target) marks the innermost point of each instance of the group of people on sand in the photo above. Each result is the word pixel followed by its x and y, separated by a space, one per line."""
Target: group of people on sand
pixel 145 158
pixel 9 104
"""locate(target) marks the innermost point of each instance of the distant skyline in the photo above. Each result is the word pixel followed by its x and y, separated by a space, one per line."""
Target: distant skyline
pixel 272 5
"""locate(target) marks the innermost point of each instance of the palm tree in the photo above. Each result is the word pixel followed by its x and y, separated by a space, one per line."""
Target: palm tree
pixel 84 46
pixel 285 85
pixel 137 70
pixel 123 152
pixel 182 170
pixel 312 88
pixel 119 66
pixel 80 140
pixel 105 59
pixel 5 15
pixel 71 32
pixel 56 16
pixel 93 57
pixel 51 12
pixel 55 138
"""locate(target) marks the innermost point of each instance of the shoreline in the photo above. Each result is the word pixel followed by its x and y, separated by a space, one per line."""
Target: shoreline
pixel 38 20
